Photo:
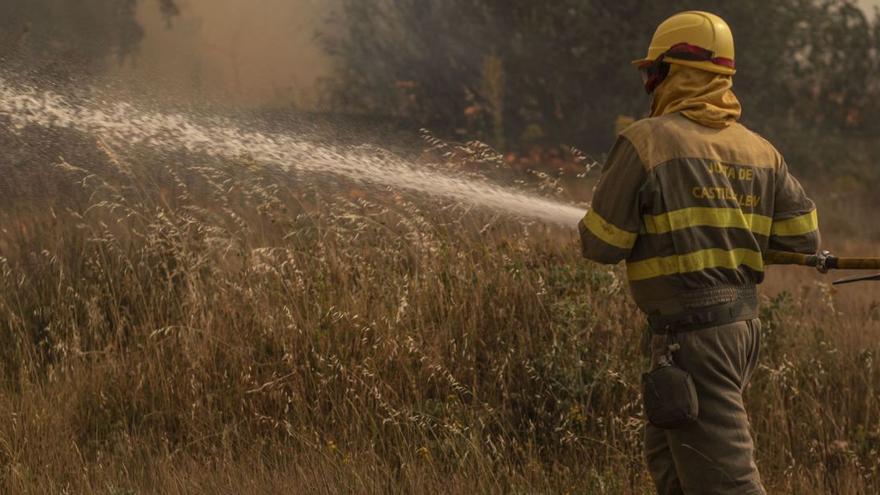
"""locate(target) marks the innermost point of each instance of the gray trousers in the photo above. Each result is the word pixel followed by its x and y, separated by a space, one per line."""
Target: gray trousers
pixel 715 455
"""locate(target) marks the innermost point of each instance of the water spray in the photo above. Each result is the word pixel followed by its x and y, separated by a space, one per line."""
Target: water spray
pixel 125 125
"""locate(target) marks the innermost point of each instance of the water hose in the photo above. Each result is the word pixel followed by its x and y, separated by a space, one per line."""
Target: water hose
pixel 824 262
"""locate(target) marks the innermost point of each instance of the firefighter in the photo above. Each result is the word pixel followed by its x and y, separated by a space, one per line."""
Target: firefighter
pixel 691 199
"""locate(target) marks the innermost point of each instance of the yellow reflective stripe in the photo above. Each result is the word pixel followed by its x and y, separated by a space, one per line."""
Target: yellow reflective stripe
pixel 801 225
pixel 609 233
pixel 759 224
pixel 694 262
pixel 707 217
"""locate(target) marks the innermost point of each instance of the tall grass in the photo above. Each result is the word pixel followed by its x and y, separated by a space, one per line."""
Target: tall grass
pixel 172 324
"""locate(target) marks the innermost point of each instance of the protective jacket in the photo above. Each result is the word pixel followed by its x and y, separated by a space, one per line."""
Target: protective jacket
pixel 691 199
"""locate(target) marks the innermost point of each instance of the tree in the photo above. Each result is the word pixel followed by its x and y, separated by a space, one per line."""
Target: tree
pixel 513 71
pixel 65 38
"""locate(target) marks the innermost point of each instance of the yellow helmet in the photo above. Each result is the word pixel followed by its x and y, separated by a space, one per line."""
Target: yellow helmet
pixel 693 30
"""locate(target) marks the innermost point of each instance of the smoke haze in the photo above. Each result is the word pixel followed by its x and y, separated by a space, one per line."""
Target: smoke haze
pixel 243 52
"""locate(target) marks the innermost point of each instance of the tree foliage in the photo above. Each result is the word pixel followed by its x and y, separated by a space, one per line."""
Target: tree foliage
pixel 67 38
pixel 516 71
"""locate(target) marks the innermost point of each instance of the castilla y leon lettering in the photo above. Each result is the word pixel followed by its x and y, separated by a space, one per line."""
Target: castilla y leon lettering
pixel 714 193
pixel 726 193
pixel 749 200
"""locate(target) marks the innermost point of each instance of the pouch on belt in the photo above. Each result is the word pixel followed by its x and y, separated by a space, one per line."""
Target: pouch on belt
pixel 669 396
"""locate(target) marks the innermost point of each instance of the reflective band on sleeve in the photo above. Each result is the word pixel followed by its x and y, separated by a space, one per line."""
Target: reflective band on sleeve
pixel 801 225
pixel 695 262
pixel 607 232
pixel 707 217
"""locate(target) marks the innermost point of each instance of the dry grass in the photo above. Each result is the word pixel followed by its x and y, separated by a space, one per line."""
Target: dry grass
pixel 222 328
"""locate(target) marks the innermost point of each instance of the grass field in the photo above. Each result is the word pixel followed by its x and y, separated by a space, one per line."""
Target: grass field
pixel 176 325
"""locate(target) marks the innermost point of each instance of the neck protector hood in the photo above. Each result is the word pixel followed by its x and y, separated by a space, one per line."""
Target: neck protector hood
pixel 701 96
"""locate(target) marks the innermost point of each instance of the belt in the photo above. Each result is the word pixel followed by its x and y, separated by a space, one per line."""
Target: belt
pixel 745 308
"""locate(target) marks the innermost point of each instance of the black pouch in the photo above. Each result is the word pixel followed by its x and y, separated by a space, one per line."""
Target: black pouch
pixel 669 396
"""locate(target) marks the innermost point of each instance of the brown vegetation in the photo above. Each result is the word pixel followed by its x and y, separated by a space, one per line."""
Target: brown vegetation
pixel 175 325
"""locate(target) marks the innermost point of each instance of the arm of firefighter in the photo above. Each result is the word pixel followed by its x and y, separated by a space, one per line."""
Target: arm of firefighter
pixel 610 227
pixel 795 223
